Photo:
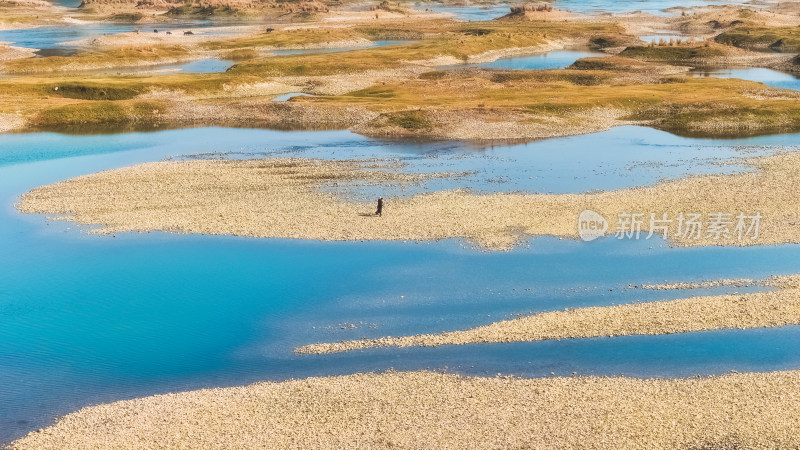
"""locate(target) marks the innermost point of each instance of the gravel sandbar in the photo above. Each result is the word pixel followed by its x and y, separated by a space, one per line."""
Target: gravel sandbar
pixel 421 410
pixel 763 309
pixel 281 198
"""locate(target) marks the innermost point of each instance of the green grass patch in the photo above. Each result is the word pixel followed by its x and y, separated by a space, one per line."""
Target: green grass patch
pixel 433 75
pixel 115 88
pixel 125 17
pixel 608 41
pixel 460 43
pixel 575 77
pixel 242 54
pixel 410 120
pixel 734 122
pixel 94 92
pixel 672 54
pixel 390 33
pixel 374 92
pixel 785 39
pixel 98 113
pixel 615 63
pixel 286 39
pixel 686 105
pixel 82 113
pixel 89 60
pixel 193 10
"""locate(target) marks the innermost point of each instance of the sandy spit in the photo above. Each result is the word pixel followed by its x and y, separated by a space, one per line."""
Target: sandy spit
pixel 279 198
pixel 78 66
pixel 736 282
pixel 146 36
pixel 426 410
pixel 763 309
pixel 343 83
pixel 9 52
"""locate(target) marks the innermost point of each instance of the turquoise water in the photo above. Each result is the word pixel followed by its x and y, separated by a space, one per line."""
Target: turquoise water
pixel 88 319
pixel 769 77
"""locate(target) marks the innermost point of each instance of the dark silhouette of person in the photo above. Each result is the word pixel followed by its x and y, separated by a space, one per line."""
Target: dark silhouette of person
pixel 379 212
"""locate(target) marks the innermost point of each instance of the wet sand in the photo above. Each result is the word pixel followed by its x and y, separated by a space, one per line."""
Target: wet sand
pixel 281 198
pixel 146 37
pixel 9 52
pixel 432 410
pixel 764 309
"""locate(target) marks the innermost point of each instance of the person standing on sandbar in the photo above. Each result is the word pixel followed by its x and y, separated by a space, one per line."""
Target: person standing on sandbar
pixel 379 212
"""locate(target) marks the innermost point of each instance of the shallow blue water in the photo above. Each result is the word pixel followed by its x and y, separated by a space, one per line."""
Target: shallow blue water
pixel 291 95
pixel 89 319
pixel 628 156
pixel 767 76
pixel 550 60
pixel 470 13
pixel 657 7
pixel 650 6
pixel 211 65
pixel 557 59
pixel 622 157
pixel 665 37
pixel 67 3
pixel 202 66
pixel 55 37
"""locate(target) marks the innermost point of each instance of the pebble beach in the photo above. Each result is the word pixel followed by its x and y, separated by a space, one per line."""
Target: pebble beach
pixel 195 261
pixel 281 198
pixel 414 410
